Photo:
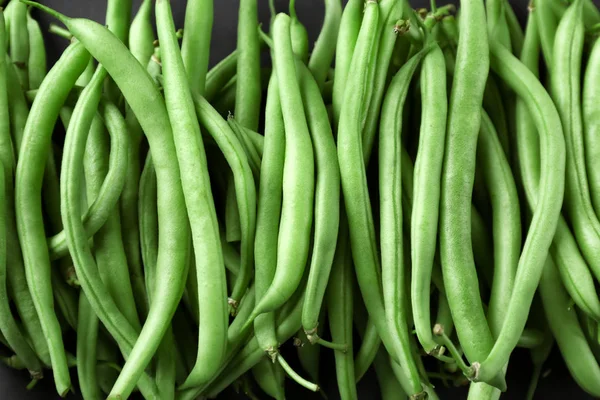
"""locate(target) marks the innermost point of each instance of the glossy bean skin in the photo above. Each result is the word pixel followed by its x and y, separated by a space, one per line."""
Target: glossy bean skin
pixel 212 292
pixel 118 17
pixel 391 229
pixel 138 87
pixel 108 242
pixel 591 121
pixel 576 275
pixel 141 37
pixel 506 224
pixel 28 184
pixel 220 75
pixel 567 331
pixel 268 214
pixel 352 172
pixel 8 325
pixel 347 37
pixel 340 307
pixel 19 42
pixel 425 211
pixel 248 92
pixel 36 63
pixel 327 201
pixel 464 115
pixel 298 177
pixel 323 52
pixel 566 93
pixel 545 214
pixel 87 341
pixel 195 47
pixel 89 276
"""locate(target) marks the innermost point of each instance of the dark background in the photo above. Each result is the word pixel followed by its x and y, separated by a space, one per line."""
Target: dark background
pixel 557 383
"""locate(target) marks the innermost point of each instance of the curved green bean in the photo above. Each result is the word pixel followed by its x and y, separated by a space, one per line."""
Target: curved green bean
pixel 323 52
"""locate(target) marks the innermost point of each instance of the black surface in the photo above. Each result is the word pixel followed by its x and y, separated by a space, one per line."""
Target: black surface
pixel 556 385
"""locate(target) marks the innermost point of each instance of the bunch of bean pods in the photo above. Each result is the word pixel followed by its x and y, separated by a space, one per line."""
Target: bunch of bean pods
pixel 418 191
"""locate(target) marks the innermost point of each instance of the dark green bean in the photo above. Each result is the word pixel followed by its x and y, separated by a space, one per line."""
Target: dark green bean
pixel 19 41
pixel 36 63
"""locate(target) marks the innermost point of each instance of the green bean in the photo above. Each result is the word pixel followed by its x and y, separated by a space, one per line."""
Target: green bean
pixel 389 386
pixel 244 185
pixel 230 255
pixel 514 26
pixel 327 202
pixel 391 233
pixel 388 32
pixel 591 14
pixel 299 34
pixel 547 22
pixel 200 209
pixel 428 169
pixel 220 75
pixel 103 205
pixel 309 356
pixel 138 88
pixel 249 149
pixel 546 213
pixel 565 85
pixel 269 377
pixel 506 220
pixel 340 308
pixel 28 184
pixel 298 178
pixel 87 340
pixel 185 338
pixel 497 23
pixel 493 104
pixel 166 366
pixel 323 52
pixel 36 62
pixel 268 214
pixel 8 325
pixel 19 42
pixel 352 168
pixel 141 34
pixel 148 219
pixel 18 107
pixel 195 47
pixel 371 343
pixel 118 17
pixel 591 120
pixel 91 282
pixel 233 224
pixel 108 242
pixel 575 272
pixel 569 336
pixel 464 117
pixel 347 37
pixel 248 92
pixel 66 297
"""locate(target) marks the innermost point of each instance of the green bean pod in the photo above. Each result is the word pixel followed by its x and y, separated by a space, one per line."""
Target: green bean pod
pixel 138 89
pixel 36 64
pixel 426 200
pixel 245 187
pixel 347 37
pixel 545 214
pixel 391 229
pixel 270 378
pixel 492 161
pixel 148 220
pixel 19 41
pixel 268 214
pixel 323 52
pixel 87 342
pixel 298 178
pixel 212 292
pixel 141 34
pixel 340 308
pixel 248 92
pixel 195 47
pixel 220 75
pixel 327 202
pixel 567 331
pixel 591 121
pixel 574 270
pixel 108 242
pixel 28 184
pixel 566 93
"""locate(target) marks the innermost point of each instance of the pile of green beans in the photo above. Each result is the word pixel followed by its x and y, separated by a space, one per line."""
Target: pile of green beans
pixel 427 179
